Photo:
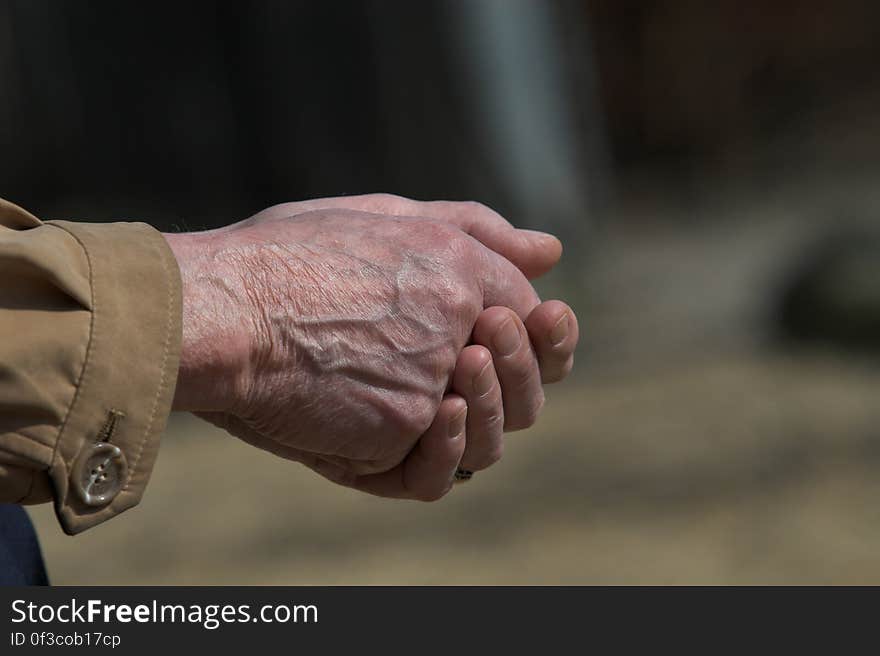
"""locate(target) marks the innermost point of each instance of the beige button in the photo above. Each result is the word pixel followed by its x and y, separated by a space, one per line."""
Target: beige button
pixel 99 473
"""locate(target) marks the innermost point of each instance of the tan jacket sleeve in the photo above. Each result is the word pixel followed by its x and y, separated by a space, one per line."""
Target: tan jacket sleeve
pixel 89 349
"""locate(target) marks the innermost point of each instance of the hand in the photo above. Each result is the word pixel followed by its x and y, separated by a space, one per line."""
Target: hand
pixel 328 335
pixel 513 380
pixel 500 378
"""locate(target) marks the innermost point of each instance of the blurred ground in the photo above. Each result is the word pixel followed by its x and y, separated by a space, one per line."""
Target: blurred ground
pixel 690 448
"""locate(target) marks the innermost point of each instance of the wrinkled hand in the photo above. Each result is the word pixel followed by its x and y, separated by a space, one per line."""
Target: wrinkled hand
pixel 330 331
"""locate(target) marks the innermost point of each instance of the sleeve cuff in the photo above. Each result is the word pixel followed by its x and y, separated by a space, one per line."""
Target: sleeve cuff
pixel 110 437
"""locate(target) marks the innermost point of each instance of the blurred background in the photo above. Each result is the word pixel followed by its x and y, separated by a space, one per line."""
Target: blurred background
pixel 711 167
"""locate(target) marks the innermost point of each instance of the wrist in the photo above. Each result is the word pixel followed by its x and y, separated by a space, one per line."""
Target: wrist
pixel 213 354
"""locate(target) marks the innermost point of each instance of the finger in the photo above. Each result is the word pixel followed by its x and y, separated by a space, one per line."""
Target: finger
pixel 475 379
pixel 505 286
pixel 553 330
pixel 533 253
pixel 502 332
pixel 428 471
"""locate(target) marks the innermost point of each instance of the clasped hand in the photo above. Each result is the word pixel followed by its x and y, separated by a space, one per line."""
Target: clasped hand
pixel 380 341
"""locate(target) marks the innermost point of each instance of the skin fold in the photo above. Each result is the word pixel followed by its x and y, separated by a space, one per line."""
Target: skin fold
pixel 380 341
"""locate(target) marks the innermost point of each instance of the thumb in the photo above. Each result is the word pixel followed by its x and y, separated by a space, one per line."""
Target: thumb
pixel 533 253
pixel 537 253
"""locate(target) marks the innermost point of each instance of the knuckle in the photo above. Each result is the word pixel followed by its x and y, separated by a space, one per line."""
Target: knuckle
pixel 433 494
pixel 279 209
pixel 334 473
pixel 493 455
pixel 517 424
pixel 457 299
pixel 367 467
pixel 387 202
pixel 396 422
pixel 522 376
pixel 416 416
pixel 494 422
pixel 558 373
pixel 539 403
pixel 385 454
pixel 527 415
pixel 552 376
pixel 445 236
pixel 475 207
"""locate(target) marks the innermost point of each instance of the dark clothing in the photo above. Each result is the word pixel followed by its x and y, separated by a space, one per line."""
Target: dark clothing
pixel 21 562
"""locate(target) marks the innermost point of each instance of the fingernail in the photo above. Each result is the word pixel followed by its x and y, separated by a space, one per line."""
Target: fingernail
pixel 456 424
pixel 560 331
pixel 484 380
pixel 507 338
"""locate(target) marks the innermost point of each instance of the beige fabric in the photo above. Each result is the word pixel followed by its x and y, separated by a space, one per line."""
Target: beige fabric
pixel 89 326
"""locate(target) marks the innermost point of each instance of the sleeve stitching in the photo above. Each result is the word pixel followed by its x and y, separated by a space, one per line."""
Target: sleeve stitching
pixel 164 375
pixel 82 376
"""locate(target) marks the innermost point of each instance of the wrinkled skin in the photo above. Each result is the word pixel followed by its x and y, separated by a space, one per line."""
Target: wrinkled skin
pixel 329 332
